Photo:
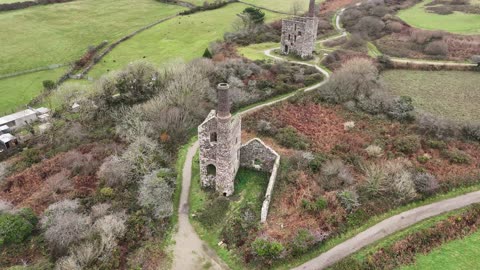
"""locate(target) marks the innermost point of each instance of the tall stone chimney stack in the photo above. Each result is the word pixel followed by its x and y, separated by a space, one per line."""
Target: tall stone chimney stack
pixel 223 106
pixel 311 9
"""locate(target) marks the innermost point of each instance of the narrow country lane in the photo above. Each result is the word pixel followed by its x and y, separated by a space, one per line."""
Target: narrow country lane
pixel 190 251
pixel 387 227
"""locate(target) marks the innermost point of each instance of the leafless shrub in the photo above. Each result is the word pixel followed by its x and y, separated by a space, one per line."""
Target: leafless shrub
pixel 69 93
pixel 438 48
pixel 110 228
pixel 436 126
pixel 65 229
pixel 131 123
pixel 155 194
pixel 5 206
pixel 142 155
pixel 425 183
pixel 115 171
pixel 100 210
pixel 64 226
pixel 332 167
pixel 403 186
pixel 355 80
pixel 370 26
pixel 67 263
pixel 374 151
pixel 394 26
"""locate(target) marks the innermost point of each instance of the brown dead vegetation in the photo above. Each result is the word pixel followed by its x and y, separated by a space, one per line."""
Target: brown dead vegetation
pixel 66 175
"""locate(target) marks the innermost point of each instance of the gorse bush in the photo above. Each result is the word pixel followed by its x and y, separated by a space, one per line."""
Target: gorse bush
pixel 302 242
pixel 266 249
pixel 15 228
pixel 408 144
pixel 457 156
pixel 349 199
pixel 289 137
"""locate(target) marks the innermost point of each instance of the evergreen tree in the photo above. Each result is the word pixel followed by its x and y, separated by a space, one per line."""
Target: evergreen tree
pixel 207 54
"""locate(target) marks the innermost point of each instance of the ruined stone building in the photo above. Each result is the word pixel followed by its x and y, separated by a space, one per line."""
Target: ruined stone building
pixel 221 151
pixel 300 33
pixel 220 141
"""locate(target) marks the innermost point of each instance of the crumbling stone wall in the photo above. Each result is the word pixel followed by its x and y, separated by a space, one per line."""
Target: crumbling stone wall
pixel 257 155
pixel 299 35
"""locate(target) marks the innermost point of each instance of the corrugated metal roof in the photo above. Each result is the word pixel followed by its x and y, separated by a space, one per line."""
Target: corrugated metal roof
pixel 7 137
pixel 12 117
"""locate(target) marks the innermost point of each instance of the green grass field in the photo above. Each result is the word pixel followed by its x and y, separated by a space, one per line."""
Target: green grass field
pixel 10 1
pixel 281 5
pixel 184 38
pixel 455 255
pixel 256 51
pixel 452 94
pixel 18 91
pixel 457 22
pixel 60 33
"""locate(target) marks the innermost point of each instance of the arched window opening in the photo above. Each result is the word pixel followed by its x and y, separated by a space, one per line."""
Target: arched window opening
pixel 211 170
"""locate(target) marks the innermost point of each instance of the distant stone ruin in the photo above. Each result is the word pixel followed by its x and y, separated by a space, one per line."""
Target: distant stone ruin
pixel 221 151
pixel 299 34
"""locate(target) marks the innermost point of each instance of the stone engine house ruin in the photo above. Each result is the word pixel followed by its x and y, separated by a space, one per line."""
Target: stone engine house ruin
pixel 220 141
pixel 221 151
pixel 299 34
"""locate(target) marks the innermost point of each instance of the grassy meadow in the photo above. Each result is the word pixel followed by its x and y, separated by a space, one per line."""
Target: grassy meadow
pixel 457 254
pixel 60 33
pixel 183 38
pixel 281 5
pixel 452 94
pixel 458 22
pixel 18 91
pixel 256 51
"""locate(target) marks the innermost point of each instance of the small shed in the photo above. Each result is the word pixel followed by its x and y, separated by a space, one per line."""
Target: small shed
pixel 7 141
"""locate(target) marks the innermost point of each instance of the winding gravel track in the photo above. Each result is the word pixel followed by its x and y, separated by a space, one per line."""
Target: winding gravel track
pixel 191 253
pixel 387 227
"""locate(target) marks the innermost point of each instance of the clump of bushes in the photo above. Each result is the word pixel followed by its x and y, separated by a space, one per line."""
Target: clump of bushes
pixel 302 242
pixel 457 156
pixel 16 226
pixel 408 144
pixel 155 193
pixel 349 199
pixel 335 175
pixel 425 183
pixel 358 81
pixel 267 250
pixel 64 225
pixel 318 205
pixel 392 177
pixel 289 137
